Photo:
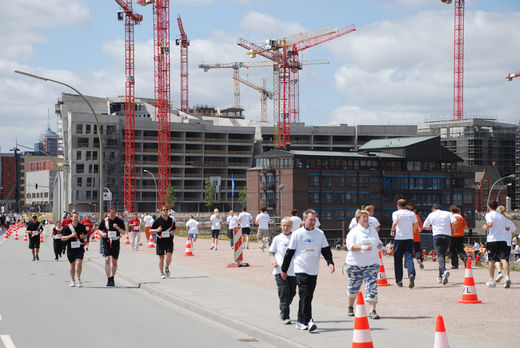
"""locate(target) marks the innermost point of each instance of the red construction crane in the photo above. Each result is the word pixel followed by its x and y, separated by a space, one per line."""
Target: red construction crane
pixel 458 59
pixel 161 40
pixel 130 19
pixel 184 43
pixel 285 53
pixel 512 76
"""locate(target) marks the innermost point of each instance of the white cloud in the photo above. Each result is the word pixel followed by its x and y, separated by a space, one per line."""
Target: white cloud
pixel 259 27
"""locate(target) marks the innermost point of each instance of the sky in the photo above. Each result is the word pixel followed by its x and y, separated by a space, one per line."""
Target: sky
pixel 396 68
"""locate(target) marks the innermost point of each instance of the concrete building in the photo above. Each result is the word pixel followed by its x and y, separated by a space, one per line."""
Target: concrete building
pixel 335 184
pixel 221 144
pixel 40 181
pixel 9 192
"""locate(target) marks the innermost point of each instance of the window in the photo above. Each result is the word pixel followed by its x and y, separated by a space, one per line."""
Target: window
pixel 82 142
pixel 327 180
pixel 339 180
pixel 94 194
pixel 88 194
pixel 468 198
pixel 314 180
pixel 326 214
pixel 46 195
pixel 94 155
pixel 111 129
pixel 79 182
pixel 314 197
pixel 363 181
pixel 79 129
pixel 339 214
pixel 78 155
pixel 339 197
pixel 89 182
pixel 326 197
pixel 80 168
pixel 88 158
pixel 485 183
pixel 87 129
pixel 351 197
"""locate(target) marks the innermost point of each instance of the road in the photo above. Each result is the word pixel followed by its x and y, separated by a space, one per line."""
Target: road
pixel 39 309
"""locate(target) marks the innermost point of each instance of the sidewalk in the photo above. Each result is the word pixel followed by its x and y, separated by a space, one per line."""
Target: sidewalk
pixel 251 309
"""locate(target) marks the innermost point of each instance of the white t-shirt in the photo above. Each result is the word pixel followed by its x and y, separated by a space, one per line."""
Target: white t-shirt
pixel 262 220
pixel 232 221
pixel 279 246
pixel 440 222
pixel 215 222
pixel 245 219
pixel 405 220
pixel 148 221
pixel 372 222
pixel 476 246
pixel 296 223
pixel 508 234
pixel 307 246
pixel 498 231
pixel 193 226
pixel 363 236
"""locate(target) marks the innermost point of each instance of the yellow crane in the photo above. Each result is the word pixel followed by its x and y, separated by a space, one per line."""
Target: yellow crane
pixel 264 94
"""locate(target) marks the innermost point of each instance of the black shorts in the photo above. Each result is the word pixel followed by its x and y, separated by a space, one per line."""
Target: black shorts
pixel 498 251
pixel 215 233
pixel 164 246
pixel 34 242
pixel 111 251
pixel 75 254
pixel 246 230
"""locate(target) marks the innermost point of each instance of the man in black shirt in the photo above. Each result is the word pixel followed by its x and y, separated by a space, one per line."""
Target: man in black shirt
pixel 111 229
pixel 164 227
pixel 34 228
pixel 73 236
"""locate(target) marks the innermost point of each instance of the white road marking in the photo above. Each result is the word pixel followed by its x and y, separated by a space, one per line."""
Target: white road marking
pixel 8 342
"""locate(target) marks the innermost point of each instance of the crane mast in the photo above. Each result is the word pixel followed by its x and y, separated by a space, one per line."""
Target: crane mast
pixel 184 43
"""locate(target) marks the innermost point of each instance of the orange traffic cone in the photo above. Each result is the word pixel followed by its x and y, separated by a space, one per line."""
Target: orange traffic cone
pixel 41 237
pixel 25 237
pixel 16 235
pixel 361 337
pixel 127 240
pixel 7 233
pixel 381 276
pixel 188 251
pixel 441 339
pixel 469 293
pixel 151 244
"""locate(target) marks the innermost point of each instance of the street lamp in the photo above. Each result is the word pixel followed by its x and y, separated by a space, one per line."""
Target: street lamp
pixel 155 182
pixel 280 188
pixel 501 188
pixel 511 176
pixel 101 184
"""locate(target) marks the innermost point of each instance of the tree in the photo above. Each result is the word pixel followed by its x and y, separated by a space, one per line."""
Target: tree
pixel 209 193
pixel 170 198
pixel 242 197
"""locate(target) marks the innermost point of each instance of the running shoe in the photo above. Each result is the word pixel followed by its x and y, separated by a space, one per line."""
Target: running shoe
pixel 499 277
pixel 350 312
pixel 163 276
pixel 507 285
pixel 37 258
pixel 216 247
pixel 72 284
pixel 373 315
pixel 421 264
pixel 167 272
pixel 286 321
pixel 300 326
pixel 56 259
pixel 34 258
pixel 400 284
pixel 439 280
pixel 445 277
pixel 212 246
pixel 79 284
pixel 312 327
pixel 491 283
pixel 412 281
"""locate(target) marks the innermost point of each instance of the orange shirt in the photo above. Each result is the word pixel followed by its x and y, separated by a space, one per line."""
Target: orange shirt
pixel 135 225
pixel 461 225
pixel 89 226
pixel 417 231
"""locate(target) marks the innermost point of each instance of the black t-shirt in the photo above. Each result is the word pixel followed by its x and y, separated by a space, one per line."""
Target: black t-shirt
pixel 117 221
pixel 31 226
pixel 80 230
pixel 165 224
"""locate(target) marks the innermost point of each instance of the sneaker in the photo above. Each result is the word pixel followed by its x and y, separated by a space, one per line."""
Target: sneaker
pixel 72 284
pixel 373 315
pixel 507 285
pixel 56 259
pixel 286 321
pixel 300 326
pixel 312 327
pixel 445 277
pixel 108 282
pixel 439 280
pixel 163 276
pixel 34 258
pixel 499 277
pixel 216 247
pixel 491 283
pixel 421 264
pixel 412 281
pixel 111 282
pixel 212 246
pixel 350 312
pixel 79 284
pixel 136 248
pixel 167 272
pixel 400 284
pixel 37 258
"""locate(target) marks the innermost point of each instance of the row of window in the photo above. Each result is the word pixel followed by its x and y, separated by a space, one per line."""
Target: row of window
pixel 92 168
pixel 317 163
pixel 37 195
pixel 325 197
pixel 353 180
pixel 92 129
pixel 88 195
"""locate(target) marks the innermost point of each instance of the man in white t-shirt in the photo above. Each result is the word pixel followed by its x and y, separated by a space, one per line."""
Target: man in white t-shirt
pixel 287 287
pixel 192 227
pixel 441 223
pixel 296 220
pixel 245 219
pixel 497 247
pixel 403 223
pixel 262 220
pixel 232 222
pixel 148 222
pixel 305 246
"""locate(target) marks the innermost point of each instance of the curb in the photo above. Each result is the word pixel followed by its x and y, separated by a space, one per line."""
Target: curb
pixel 247 329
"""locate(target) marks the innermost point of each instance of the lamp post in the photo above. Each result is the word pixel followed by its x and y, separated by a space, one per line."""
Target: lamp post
pixel 16 177
pixel 500 191
pixel 57 170
pixel 155 183
pixel 511 176
pixel 101 184
pixel 280 188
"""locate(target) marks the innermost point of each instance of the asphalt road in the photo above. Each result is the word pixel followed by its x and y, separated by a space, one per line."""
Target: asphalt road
pixel 39 309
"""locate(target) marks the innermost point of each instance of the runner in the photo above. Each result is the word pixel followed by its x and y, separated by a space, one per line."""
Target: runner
pixel 134 226
pixel 192 227
pixel 286 287
pixel 164 228
pixel 245 220
pixel 296 220
pixel 372 221
pixel 442 224
pixel 56 241
pixel 67 220
pixel 417 236
pixel 510 228
pixel 262 220
pixel 305 246
pixel 232 222
pixel 89 227
pixel 403 223
pixel 111 230
pixel 216 222
pixel 476 250
pixel 74 236
pixel 457 239
pixel 148 222
pixel 34 228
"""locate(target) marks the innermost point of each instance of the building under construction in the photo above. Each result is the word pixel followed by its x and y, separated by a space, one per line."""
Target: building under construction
pixel 217 147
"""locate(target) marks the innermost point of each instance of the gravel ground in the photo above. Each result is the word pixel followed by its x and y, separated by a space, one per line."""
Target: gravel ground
pixel 491 324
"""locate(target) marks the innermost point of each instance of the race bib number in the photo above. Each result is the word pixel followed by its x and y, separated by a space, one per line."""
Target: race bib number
pixel 87 228
pixel 35 233
pixel 310 250
pixel 136 228
pixel 75 244
pixel 58 236
pixel 165 234
pixel 112 235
